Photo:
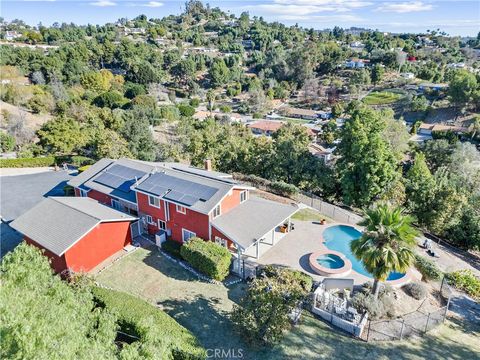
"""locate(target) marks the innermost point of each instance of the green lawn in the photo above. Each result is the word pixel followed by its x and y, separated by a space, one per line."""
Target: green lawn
pixel 308 214
pixel 382 98
pixel 203 309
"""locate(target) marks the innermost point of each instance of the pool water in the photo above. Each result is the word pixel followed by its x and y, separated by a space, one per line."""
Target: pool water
pixel 339 237
pixel 330 261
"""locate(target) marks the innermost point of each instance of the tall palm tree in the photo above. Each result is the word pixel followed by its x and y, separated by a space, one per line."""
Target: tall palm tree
pixel 386 244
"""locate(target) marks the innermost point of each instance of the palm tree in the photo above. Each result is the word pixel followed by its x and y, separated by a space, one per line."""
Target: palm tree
pixel 386 244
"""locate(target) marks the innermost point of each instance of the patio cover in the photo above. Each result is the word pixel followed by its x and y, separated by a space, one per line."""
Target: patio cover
pixel 250 221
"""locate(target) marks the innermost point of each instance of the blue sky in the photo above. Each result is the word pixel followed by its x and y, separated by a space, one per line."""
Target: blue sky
pixel 456 17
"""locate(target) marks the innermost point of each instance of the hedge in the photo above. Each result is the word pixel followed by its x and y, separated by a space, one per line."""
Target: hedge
pixel 172 247
pixel 465 280
pixel 207 257
pixel 27 162
pixel 282 188
pixel 130 311
pixel 45 161
pixel 427 268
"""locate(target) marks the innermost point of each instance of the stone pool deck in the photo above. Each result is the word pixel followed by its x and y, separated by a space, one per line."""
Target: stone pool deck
pixel 295 248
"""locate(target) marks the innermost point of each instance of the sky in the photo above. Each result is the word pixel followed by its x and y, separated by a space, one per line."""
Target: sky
pixel 456 17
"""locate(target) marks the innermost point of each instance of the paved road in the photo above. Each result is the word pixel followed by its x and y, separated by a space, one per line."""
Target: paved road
pixel 20 193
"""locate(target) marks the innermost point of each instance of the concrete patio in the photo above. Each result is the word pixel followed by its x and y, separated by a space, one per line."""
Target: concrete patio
pixel 294 249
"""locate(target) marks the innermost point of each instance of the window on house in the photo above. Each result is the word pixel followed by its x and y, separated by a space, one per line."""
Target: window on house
pixel 149 220
pixel 154 201
pixel 243 196
pixel 220 241
pixel 187 235
pixel 83 193
pixel 181 209
pixel 116 205
pixel 216 211
pixel 162 225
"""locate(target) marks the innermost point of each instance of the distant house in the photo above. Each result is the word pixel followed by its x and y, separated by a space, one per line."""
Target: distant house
pixel 265 127
pixel 298 113
pixel 12 35
pixel 428 129
pixel 356 63
pixel 321 152
pixel 76 233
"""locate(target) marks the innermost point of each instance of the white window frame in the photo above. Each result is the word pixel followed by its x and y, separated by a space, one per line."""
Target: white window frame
pixel 191 233
pixel 221 242
pixel 150 197
pixel 162 225
pixel 244 193
pixel 150 219
pixel 181 209
pixel 116 207
pixel 217 211
pixel 83 193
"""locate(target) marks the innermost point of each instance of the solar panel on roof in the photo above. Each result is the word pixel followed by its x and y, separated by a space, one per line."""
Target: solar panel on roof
pixel 119 177
pixel 189 200
pixel 158 190
pixel 125 172
pixel 109 180
pixel 174 195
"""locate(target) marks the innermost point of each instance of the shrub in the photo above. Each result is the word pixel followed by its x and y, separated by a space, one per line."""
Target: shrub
pixel 263 317
pixel 7 142
pixel 172 247
pixel 465 280
pixel 225 109
pixel 376 308
pixel 194 102
pixel 83 168
pixel 132 312
pixel 427 268
pixel 186 110
pixel 27 162
pixel 416 290
pixel 207 257
pixel 282 188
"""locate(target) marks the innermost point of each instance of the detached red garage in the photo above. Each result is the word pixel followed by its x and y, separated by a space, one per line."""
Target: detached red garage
pixel 77 233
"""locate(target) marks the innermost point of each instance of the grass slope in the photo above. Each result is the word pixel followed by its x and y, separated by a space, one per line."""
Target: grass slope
pixel 203 309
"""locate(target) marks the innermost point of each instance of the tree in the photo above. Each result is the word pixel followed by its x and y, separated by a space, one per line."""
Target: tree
pixel 386 244
pixel 377 73
pixel 109 144
pixel 419 188
pixel 396 134
pixel 263 316
pixel 219 73
pixel 461 87
pixel 139 137
pixel 44 317
pixel 62 135
pixel 367 163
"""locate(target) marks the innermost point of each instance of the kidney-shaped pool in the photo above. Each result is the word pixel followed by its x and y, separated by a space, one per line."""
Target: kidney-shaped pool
pixel 339 237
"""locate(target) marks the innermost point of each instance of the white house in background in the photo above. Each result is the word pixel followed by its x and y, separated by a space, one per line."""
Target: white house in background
pixel 321 152
pixel 12 35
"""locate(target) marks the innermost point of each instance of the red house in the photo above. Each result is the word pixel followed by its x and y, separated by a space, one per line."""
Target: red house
pixel 77 234
pixel 178 201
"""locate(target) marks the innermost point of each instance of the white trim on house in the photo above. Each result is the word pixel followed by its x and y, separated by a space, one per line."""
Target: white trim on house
pixel 181 209
pixel 155 200
pixel 162 225
pixel 243 194
pixel 190 234
pixel 149 219
pixel 217 211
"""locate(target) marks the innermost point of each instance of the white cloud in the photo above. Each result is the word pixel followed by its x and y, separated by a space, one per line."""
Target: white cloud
pixel 322 18
pixel 153 4
pixel 103 3
pixel 405 7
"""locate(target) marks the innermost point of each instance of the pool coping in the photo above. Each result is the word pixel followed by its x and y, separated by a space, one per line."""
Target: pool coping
pixel 324 271
pixel 409 274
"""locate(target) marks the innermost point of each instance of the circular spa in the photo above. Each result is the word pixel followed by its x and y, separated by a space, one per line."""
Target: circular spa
pixel 330 263
pixel 337 239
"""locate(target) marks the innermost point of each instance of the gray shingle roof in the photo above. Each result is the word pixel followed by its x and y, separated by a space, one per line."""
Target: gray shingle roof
pixel 221 182
pixel 253 219
pixel 57 223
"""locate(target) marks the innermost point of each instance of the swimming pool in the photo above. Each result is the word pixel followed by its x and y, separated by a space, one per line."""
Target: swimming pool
pixel 330 261
pixel 339 237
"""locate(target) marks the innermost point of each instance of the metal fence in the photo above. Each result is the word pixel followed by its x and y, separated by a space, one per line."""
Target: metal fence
pixel 417 323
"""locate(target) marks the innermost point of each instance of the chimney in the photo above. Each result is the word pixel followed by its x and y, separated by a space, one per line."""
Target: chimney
pixel 208 164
